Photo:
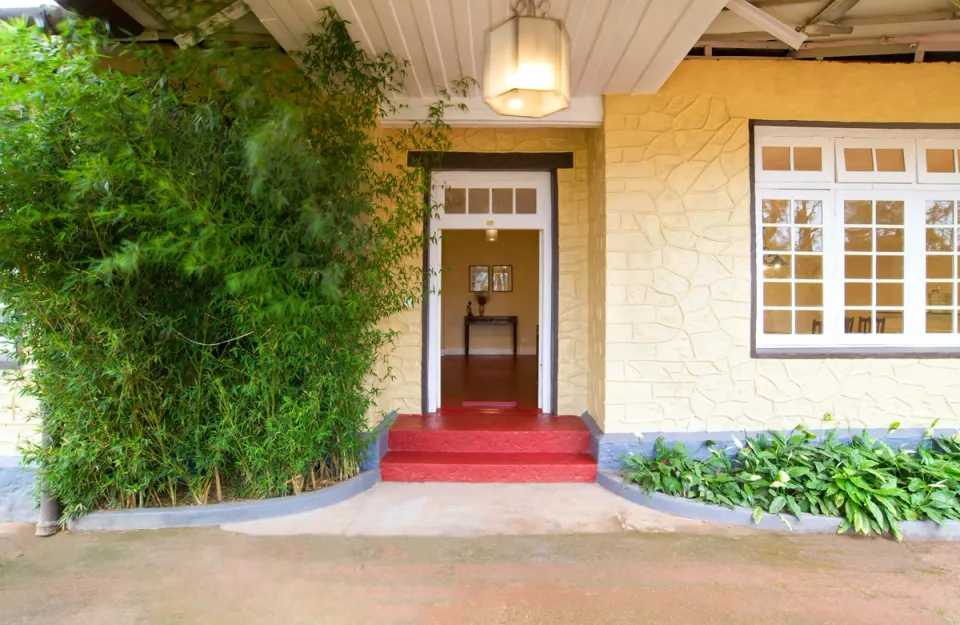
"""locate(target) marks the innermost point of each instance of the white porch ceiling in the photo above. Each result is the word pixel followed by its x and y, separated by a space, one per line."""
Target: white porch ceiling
pixel 617 46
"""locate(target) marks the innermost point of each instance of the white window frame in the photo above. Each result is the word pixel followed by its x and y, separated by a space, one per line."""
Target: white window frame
pixel 926 177
pixel 826 173
pixel 910 187
pixel 907 176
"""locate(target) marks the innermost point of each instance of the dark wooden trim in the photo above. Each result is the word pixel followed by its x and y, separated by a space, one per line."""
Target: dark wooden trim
pixel 491 161
pixel 864 125
pixel 555 286
pixel 753 241
pixel 842 353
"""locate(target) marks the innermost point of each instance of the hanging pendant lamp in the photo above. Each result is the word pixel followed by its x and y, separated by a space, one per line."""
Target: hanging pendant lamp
pixel 527 70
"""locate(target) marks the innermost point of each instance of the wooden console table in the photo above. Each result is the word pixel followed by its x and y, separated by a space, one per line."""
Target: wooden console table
pixel 492 321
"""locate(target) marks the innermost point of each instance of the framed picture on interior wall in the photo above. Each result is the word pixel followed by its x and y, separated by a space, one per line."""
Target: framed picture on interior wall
pixel 502 278
pixel 479 278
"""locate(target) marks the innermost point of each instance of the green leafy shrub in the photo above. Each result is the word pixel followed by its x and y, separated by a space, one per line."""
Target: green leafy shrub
pixel 871 486
pixel 198 251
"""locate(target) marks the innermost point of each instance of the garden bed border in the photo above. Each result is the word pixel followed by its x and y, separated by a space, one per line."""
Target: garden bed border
pixel 241 511
pixel 810 524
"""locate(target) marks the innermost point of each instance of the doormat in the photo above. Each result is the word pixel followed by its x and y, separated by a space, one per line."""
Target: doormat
pixel 489 404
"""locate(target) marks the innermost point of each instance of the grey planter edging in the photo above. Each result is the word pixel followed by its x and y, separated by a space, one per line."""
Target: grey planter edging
pixel 810 524
pixel 238 512
pixel 218 514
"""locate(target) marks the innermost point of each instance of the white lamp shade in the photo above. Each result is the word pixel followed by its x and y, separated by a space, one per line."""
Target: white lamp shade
pixel 527 71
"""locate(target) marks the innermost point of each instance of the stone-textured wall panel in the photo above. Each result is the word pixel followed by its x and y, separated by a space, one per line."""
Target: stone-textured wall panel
pixel 679 276
pixel 16 418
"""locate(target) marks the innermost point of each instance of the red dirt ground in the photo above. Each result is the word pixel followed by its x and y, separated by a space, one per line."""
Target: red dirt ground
pixel 211 576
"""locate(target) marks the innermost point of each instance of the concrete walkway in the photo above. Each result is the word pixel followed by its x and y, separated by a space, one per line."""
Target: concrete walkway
pixel 465 510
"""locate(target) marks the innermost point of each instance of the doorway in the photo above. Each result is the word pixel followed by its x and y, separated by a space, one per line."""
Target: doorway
pixel 490 309
pixel 492 236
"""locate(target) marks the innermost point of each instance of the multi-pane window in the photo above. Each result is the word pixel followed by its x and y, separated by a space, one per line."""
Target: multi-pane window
pixel 858 234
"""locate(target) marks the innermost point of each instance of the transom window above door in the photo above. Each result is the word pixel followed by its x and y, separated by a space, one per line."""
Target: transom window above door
pixel 857 241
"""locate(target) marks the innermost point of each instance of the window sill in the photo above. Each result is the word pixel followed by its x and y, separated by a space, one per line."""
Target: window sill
pixel 855 352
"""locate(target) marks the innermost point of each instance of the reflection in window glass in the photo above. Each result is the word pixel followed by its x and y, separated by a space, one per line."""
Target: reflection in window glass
pixel 775 158
pixel 941 267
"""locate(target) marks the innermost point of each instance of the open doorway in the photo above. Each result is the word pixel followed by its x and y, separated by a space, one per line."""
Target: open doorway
pixel 490 310
pixel 514 273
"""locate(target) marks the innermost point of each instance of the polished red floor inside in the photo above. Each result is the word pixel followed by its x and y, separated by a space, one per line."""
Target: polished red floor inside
pixel 488 379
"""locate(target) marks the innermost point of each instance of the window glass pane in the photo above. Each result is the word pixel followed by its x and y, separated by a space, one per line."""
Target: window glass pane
pixel 526 201
pixel 859 294
pixel 455 201
pixel 858 267
pixel 809 321
pixel 890 213
pixel 809 267
pixel 940 266
pixel 940 213
pixel 889 239
pixel 776 239
pixel 889 322
pixel 776 266
pixel 940 239
pixel 858 239
pixel 890 267
pixel 940 322
pixel 807 159
pixel 808 212
pixel 891 159
pixel 809 294
pixel 890 294
pixel 808 239
pixel 478 201
pixel 941 162
pixel 858 159
pixel 858 212
pixel 776 211
pixel 855 320
pixel 777 322
pixel 776 158
pixel 777 294
pixel 939 294
pixel 503 201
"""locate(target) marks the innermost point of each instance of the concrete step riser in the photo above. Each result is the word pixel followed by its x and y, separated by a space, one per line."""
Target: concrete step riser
pixel 497 442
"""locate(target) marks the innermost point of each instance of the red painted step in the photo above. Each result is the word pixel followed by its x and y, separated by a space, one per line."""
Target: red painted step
pixel 414 466
pixel 489 432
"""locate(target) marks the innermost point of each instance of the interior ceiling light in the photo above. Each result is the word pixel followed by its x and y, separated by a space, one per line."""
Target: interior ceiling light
pixel 527 68
pixel 493 235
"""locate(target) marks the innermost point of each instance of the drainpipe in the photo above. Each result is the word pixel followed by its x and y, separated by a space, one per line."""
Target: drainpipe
pixel 50 509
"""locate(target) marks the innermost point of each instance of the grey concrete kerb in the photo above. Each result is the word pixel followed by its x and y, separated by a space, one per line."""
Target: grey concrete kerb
pixel 810 524
pixel 219 514
pixel 241 511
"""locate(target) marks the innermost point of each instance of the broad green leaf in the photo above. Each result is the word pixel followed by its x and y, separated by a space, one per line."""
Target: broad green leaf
pixel 757 514
pixel 777 504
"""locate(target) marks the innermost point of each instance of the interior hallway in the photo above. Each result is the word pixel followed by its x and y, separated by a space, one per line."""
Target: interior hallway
pixel 489 379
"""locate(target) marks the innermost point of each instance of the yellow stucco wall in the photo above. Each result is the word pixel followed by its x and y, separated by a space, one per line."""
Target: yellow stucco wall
pixel 15 424
pixel 596 279
pixel 403 392
pixel 678 252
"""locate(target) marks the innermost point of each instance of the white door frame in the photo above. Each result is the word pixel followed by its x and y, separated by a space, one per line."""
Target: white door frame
pixel 543 221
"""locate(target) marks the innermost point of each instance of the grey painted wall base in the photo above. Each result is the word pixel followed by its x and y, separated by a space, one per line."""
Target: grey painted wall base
pixel 379 442
pixel 218 514
pixel 17 503
pixel 609 449
pixel 810 524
